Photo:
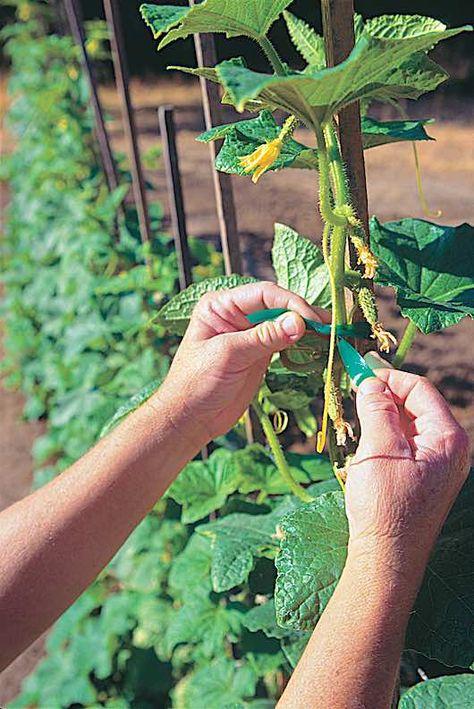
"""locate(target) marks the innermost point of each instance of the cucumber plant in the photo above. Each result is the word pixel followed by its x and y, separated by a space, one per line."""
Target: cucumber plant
pixel 208 603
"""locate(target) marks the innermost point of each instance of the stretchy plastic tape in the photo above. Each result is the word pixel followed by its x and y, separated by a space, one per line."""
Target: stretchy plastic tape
pixel 360 330
pixel 356 367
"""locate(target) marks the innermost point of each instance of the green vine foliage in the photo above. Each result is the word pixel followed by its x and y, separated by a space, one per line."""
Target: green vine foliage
pixel 208 602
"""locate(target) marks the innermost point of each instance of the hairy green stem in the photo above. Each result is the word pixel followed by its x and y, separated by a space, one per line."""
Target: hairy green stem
pixel 278 455
pixel 325 193
pixel 405 344
pixel 341 189
pixel 272 55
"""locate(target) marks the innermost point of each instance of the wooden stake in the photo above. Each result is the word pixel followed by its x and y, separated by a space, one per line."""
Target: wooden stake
pixel 112 14
pixel 339 39
pixel 77 31
pixel 224 195
pixel 175 194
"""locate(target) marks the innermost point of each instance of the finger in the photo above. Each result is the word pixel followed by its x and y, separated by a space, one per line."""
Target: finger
pixel 380 421
pixel 263 340
pixel 225 311
pixel 420 399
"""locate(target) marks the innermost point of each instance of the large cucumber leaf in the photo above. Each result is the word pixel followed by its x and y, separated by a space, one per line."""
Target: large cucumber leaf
pixel 376 133
pixel 450 692
pixel 299 266
pixel 374 67
pixel 430 266
pixel 175 315
pixel 233 17
pixel 312 557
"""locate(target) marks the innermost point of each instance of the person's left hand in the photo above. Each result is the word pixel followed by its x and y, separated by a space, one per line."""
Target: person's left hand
pixel 221 361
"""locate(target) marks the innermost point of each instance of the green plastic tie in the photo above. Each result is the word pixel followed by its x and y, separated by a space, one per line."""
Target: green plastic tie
pixel 359 330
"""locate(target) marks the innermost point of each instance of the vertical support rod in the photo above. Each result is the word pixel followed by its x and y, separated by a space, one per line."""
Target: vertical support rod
pixel 175 193
pixel 112 14
pixel 338 24
pixel 206 56
pixel 77 31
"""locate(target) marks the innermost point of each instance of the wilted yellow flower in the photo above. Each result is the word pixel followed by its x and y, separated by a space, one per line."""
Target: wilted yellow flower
pixel 383 337
pixel 262 158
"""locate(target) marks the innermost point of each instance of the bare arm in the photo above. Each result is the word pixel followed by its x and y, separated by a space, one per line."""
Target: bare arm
pixel 410 465
pixel 55 541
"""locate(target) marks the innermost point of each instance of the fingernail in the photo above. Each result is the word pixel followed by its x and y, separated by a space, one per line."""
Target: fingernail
pixel 372 386
pixel 290 325
pixel 375 361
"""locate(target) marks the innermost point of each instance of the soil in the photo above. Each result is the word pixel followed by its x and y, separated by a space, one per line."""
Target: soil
pixel 290 197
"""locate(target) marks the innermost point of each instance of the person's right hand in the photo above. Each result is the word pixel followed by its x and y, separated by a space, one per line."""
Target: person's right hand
pixel 410 465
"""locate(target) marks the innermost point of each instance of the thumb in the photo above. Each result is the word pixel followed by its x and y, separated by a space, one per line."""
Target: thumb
pixel 381 429
pixel 268 337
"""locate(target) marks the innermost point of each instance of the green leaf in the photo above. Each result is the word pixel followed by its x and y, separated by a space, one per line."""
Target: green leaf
pixel 299 266
pixel 294 645
pixel 237 539
pixel 375 67
pixel 203 486
pixel 191 570
pixel 376 133
pixel 431 268
pixel 131 405
pixel 217 685
pixel 161 18
pixel 317 467
pixel 451 692
pixel 308 43
pixel 313 552
pixel 243 137
pixel 441 624
pixel 263 618
pixel 233 17
pixel 402 26
pixel 176 314
pixel 201 621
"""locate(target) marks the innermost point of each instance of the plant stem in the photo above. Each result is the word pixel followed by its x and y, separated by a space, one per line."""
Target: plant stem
pixel 272 55
pixel 325 205
pixel 405 344
pixel 278 455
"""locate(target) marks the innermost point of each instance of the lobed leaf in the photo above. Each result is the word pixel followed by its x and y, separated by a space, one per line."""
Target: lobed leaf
pixel 217 685
pixel 232 17
pixel 204 486
pixel 175 315
pixel 450 692
pixel 375 67
pixel 431 268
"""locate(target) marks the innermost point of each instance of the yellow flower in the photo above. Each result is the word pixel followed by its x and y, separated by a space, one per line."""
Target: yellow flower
pixel 73 73
pixel 63 124
pixel 368 260
pixel 262 158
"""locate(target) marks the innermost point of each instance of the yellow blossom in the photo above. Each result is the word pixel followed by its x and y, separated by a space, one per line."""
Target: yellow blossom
pixel 73 73
pixel 262 158
pixel 24 12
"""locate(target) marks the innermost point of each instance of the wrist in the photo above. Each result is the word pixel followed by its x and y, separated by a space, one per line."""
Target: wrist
pixel 388 564
pixel 191 436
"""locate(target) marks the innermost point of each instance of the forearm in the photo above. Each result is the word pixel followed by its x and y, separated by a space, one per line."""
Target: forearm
pixel 56 541
pixel 351 661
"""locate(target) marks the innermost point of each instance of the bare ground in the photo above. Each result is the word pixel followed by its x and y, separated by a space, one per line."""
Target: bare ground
pixel 289 197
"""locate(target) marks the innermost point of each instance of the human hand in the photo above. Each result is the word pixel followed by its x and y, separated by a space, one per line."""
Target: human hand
pixel 222 358
pixel 411 463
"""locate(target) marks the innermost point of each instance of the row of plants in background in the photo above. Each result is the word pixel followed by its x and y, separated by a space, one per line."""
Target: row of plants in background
pixel 212 599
